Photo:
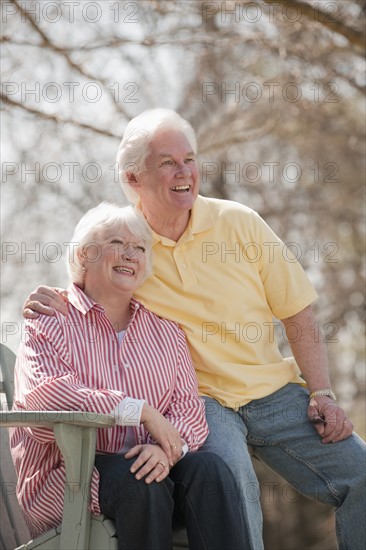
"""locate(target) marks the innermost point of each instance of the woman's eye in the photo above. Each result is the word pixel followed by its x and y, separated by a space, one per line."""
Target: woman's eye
pixel 116 241
pixel 140 249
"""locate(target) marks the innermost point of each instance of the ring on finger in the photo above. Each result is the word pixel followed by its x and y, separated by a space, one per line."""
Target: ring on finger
pixel 173 446
pixel 162 463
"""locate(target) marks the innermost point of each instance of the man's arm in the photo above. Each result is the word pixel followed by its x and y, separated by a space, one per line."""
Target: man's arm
pixel 311 356
pixel 44 300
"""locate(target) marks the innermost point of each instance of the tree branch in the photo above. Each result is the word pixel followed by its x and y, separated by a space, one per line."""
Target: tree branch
pixel 238 138
pixel 7 101
pixel 354 36
pixel 47 43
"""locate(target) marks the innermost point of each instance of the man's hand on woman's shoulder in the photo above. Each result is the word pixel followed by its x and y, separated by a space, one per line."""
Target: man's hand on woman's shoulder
pixel 44 300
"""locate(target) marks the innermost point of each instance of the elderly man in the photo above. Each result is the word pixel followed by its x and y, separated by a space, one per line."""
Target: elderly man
pixel 223 275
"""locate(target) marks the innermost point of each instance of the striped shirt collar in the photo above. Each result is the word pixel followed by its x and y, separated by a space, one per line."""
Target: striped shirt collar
pixel 84 303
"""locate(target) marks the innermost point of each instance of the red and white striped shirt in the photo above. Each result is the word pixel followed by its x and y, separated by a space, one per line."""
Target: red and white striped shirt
pixel 75 362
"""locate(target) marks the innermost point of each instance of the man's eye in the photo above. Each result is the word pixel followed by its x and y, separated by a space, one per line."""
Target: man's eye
pixel 190 160
pixel 167 162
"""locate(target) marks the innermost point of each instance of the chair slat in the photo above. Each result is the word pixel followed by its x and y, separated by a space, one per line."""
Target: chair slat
pixel 7 363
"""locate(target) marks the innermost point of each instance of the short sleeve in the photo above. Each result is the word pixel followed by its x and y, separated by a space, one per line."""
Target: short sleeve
pixel 287 287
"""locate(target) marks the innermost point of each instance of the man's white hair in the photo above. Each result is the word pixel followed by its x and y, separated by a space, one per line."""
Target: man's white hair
pixel 139 132
pixel 94 223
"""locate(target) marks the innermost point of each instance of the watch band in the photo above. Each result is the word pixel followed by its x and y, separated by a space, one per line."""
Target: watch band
pixel 326 392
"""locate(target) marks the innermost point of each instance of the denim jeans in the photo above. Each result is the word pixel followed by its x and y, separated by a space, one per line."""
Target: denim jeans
pixel 281 436
pixel 200 488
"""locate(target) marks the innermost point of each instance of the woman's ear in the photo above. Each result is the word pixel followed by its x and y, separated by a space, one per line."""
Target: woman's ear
pixel 82 255
pixel 132 180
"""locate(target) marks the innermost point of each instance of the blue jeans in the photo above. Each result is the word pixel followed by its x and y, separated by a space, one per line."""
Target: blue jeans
pixel 201 490
pixel 281 436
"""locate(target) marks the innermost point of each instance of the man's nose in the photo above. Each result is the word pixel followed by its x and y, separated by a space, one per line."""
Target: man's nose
pixel 183 171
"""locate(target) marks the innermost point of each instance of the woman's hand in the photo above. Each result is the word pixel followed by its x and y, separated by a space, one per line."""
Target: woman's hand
pixel 44 300
pixel 163 432
pixel 152 462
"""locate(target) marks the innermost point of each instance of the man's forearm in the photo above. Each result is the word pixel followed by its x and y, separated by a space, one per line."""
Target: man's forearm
pixel 308 349
pixel 311 356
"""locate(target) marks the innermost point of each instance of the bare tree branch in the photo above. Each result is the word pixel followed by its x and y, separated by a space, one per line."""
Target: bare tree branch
pixel 238 137
pixel 47 43
pixel 58 120
pixel 354 36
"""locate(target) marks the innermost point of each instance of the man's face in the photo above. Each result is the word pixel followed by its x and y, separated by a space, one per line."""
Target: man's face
pixel 169 184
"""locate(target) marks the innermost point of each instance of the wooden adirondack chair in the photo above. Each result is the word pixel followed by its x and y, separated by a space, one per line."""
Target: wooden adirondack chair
pixel 75 434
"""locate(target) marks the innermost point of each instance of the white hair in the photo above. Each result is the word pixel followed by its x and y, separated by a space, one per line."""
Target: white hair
pixel 139 133
pixel 97 220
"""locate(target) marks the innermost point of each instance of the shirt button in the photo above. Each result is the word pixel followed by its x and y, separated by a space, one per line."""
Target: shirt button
pixel 127 365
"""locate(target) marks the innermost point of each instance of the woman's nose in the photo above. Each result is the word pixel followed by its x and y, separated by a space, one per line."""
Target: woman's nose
pixel 129 255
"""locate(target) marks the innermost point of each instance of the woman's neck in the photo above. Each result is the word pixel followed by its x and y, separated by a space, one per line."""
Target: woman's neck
pixel 119 315
pixel 117 307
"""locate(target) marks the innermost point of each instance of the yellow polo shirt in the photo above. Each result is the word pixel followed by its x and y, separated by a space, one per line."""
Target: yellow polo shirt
pixel 224 282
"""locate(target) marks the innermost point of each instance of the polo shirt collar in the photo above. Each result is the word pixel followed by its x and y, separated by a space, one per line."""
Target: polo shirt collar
pixel 201 216
pixel 200 220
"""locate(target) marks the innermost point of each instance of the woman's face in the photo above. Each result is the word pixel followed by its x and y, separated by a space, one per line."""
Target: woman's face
pixel 115 263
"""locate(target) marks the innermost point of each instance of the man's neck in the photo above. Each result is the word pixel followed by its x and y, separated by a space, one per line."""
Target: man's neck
pixel 172 228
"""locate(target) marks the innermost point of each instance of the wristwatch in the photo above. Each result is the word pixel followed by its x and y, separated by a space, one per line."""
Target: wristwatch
pixel 326 392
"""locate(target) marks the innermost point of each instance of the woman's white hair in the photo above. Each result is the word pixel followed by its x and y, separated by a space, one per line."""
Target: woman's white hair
pixel 94 223
pixel 139 132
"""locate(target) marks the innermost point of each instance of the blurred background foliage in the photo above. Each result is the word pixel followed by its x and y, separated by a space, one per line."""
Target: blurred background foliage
pixel 276 93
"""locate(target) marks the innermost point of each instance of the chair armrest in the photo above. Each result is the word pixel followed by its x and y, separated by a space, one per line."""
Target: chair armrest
pixel 68 427
pixel 37 419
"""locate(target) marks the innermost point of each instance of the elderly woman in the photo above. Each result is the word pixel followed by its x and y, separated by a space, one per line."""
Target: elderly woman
pixel 112 355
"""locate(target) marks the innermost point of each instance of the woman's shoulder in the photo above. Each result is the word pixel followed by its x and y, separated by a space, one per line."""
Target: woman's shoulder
pixel 51 326
pixel 153 319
